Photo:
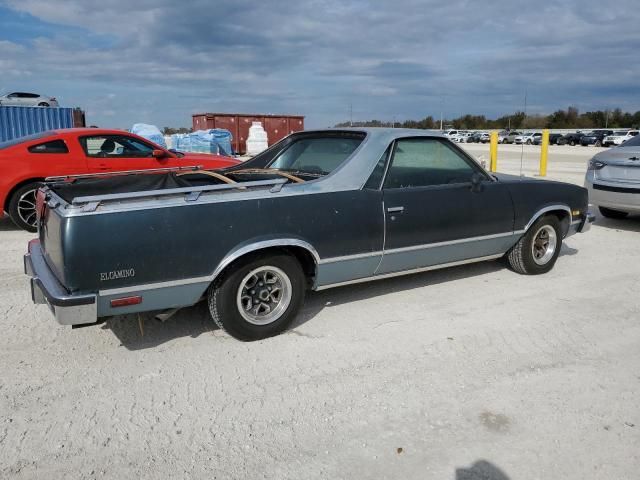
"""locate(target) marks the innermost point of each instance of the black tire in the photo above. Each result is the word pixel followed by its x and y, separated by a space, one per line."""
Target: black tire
pixel 521 257
pixel 572 143
pixel 223 296
pixel 598 143
pixel 610 213
pixel 43 104
pixel 20 208
pixel 528 142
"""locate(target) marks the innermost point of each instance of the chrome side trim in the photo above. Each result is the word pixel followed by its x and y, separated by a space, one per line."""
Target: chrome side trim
pixel 175 191
pixel 450 242
pixel 419 247
pixel 153 286
pixel 234 255
pixel 280 242
pixel 544 210
pixel 408 272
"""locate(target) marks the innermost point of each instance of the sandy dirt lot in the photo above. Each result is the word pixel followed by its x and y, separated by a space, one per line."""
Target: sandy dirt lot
pixel 453 374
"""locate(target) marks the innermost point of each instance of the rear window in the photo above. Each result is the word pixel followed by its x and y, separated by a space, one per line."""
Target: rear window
pixel 632 142
pixel 28 138
pixel 320 155
pixel 54 146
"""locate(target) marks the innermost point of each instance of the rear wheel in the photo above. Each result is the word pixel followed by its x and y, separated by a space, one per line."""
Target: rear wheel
pixel 598 143
pixel 258 297
pixel 572 143
pixel 537 251
pixel 610 213
pixel 22 207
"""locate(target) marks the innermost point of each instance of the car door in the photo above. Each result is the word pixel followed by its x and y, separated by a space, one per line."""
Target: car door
pixel 116 153
pixel 435 213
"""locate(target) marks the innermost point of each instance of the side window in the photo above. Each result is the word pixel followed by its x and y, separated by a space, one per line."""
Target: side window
pixel 55 146
pixel 115 146
pixel 423 162
pixel 378 172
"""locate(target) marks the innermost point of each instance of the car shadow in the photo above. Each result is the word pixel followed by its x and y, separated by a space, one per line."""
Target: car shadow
pixel 481 470
pixel 6 225
pixel 628 224
pixel 138 332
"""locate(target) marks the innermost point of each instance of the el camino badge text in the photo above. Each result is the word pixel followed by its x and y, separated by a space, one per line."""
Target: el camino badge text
pixel 116 274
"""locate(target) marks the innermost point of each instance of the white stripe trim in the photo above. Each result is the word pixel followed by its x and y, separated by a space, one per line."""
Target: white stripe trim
pixel 419 247
pixel 408 272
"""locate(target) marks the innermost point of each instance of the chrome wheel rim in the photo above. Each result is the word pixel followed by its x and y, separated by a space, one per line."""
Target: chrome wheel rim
pixel 264 295
pixel 544 245
pixel 27 207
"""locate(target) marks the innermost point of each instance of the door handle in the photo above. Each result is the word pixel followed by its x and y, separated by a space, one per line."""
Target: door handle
pixel 395 209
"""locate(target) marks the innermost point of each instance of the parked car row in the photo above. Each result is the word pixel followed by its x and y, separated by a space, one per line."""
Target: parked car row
pixel 597 138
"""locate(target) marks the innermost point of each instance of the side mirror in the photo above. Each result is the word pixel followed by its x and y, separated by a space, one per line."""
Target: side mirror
pixel 159 154
pixel 476 182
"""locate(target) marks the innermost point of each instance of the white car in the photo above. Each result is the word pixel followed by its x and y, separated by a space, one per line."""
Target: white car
pixel 619 137
pixel 526 138
pixel 24 99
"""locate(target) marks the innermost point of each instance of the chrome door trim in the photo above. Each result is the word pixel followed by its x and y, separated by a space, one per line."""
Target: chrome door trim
pixel 408 272
pixel 419 247
pixel 544 210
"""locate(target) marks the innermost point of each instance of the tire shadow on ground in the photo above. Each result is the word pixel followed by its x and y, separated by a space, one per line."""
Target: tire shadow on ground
pixel 6 225
pixel 144 331
pixel 139 332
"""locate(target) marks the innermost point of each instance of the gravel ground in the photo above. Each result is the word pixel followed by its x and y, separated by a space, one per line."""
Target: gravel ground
pixel 469 373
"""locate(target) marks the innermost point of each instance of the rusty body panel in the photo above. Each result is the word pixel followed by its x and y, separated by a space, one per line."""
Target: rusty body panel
pixel 276 126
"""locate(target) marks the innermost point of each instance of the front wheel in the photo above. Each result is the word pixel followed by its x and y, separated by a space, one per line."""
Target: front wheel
pixel 22 207
pixel 43 104
pixel 610 213
pixel 258 297
pixel 598 143
pixel 537 251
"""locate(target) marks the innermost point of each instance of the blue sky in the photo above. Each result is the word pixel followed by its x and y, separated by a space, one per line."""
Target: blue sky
pixel 159 61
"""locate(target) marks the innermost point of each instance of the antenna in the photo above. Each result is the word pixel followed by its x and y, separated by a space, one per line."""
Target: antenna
pixel 351 114
pixel 523 123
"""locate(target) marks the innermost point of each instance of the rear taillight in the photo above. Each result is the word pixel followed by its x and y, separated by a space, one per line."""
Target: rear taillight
pixel 126 301
pixel 596 165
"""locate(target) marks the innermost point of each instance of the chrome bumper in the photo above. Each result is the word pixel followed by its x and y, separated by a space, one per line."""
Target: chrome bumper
pixel 68 309
pixel 581 225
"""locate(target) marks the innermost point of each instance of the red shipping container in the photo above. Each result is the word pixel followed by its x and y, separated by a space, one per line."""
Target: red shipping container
pixel 276 126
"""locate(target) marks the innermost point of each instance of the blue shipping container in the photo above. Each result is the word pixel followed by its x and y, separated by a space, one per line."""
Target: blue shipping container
pixel 18 122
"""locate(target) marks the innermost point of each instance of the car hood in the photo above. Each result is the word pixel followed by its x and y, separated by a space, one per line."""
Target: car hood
pixel 620 156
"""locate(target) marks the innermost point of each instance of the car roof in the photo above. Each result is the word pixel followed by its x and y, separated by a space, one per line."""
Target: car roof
pixel 90 131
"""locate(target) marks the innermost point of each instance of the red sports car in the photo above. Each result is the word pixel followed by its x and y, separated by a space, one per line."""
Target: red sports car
pixel 26 161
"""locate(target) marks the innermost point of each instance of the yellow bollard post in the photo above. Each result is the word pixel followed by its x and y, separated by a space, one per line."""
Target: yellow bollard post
pixel 544 153
pixel 493 166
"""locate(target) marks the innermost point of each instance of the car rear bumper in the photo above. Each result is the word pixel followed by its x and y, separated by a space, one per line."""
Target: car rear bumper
pixel 626 199
pixel 68 309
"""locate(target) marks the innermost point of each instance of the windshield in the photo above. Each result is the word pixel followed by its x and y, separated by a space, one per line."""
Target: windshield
pixel 319 155
pixel 16 141
pixel 632 142
pixel 620 132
